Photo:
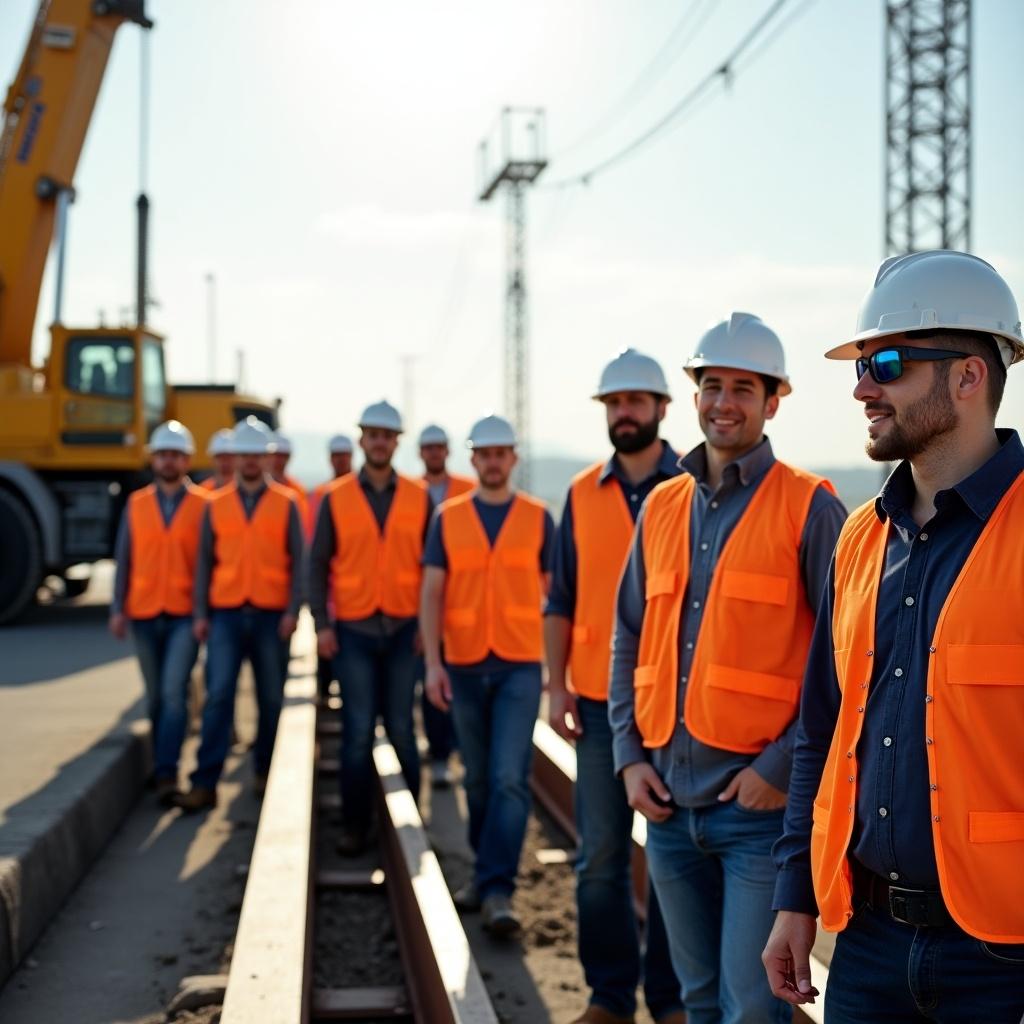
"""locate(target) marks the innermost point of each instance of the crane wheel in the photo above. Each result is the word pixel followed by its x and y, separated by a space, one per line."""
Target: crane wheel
pixel 21 557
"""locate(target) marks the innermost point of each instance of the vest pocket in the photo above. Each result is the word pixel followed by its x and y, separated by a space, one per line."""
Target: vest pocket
pixel 996 826
pixel 460 618
pixel 348 581
pixel 466 559
pixel 985 664
pixel 522 612
pixel 658 584
pixel 755 586
pixel 758 684
pixel 518 558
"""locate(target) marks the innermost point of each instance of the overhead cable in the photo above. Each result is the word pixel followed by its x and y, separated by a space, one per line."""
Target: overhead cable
pixel 723 72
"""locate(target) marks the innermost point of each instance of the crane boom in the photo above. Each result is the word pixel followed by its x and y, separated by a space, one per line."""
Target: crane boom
pixel 46 115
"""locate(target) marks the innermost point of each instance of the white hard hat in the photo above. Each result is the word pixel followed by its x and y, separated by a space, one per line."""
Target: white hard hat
pixel 492 432
pixel 937 290
pixel 172 436
pixel 282 444
pixel 433 434
pixel 743 342
pixel 222 443
pixel 382 415
pixel 632 371
pixel 340 444
pixel 252 436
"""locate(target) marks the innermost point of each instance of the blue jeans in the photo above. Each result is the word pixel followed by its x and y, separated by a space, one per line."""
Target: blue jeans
pixel 378 677
pixel 494 714
pixel 437 724
pixel 237 634
pixel 608 940
pixel 885 972
pixel 713 873
pixel 167 652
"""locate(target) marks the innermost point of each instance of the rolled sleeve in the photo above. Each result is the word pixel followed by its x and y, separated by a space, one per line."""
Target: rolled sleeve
pixel 562 595
pixel 630 602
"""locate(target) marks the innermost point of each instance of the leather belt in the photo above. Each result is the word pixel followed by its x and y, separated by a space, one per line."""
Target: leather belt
pixel 922 908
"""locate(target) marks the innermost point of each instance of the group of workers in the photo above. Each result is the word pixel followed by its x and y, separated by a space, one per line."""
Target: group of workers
pixel 819 716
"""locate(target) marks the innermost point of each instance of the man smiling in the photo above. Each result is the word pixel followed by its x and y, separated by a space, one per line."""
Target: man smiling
pixel 714 616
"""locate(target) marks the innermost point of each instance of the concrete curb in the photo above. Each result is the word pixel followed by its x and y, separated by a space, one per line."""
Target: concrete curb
pixel 49 841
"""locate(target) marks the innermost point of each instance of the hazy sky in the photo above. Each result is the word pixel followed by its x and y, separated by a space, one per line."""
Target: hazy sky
pixel 319 157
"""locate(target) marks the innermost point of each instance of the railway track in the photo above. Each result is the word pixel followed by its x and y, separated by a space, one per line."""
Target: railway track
pixel 273 967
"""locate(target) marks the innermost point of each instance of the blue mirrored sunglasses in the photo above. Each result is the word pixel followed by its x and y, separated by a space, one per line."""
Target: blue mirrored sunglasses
pixel 886 365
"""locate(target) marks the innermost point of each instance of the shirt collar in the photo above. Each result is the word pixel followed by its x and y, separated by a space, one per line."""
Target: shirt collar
pixel 981 492
pixel 367 484
pixel 748 468
pixel 667 466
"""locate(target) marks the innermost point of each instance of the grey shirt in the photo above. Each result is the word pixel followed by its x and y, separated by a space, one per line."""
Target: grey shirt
pixel 694 772
pixel 168 505
pixel 207 554
pixel 324 546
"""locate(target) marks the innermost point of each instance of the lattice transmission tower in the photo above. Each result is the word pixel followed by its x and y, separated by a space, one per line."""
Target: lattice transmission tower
pixel 927 125
pixel 510 165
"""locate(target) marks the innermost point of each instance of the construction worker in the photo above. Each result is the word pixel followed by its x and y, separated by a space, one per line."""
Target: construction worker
pixel 905 825
pixel 339 451
pixel 486 570
pixel 366 558
pixel 441 485
pixel 277 464
pixel 713 619
pixel 247 596
pixel 593 541
pixel 156 549
pixel 219 449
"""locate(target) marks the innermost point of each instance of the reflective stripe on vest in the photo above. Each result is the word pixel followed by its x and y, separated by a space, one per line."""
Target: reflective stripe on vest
pixel 974 721
pixel 602 531
pixel 744 685
pixel 163 558
pixel 375 573
pixel 492 597
pixel 251 560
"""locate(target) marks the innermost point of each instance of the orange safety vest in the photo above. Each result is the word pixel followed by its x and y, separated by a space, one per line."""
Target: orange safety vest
pixel 252 564
pixel 375 572
pixel 458 485
pixel 493 595
pixel 974 721
pixel 602 532
pixel 209 484
pixel 744 686
pixel 163 558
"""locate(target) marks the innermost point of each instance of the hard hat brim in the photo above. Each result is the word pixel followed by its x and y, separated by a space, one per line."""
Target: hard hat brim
pixel 852 349
pixel 693 365
pixel 601 395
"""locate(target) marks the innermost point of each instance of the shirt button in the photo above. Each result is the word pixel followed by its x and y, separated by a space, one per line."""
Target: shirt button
pixel 704 546
pixel 887 742
pixel 898 673
pixel 682 720
pixel 696 604
pixel 908 601
pixel 634 497
pixel 882 812
pixel 894 875
pixel 683 679
pixel 922 536
pixel 714 504
pixel 689 645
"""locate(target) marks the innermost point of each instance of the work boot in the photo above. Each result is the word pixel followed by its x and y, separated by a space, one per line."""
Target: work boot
pixel 198 798
pixel 467 897
pixel 498 916
pixel 166 792
pixel 352 841
pixel 441 774
pixel 595 1014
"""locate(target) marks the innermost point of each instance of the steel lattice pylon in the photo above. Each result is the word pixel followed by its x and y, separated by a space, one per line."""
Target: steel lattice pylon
pixel 517 370
pixel 928 125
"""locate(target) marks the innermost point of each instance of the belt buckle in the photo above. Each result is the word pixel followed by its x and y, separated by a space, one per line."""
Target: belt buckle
pixel 912 906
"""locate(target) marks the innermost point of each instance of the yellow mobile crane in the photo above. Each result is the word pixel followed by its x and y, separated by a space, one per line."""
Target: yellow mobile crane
pixel 72 431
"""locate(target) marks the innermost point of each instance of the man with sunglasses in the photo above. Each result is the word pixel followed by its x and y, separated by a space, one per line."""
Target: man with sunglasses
pixel 714 616
pixel 905 824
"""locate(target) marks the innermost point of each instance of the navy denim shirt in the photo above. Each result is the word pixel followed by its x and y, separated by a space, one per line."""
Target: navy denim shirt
pixel 562 597
pixel 694 772
pixel 892 833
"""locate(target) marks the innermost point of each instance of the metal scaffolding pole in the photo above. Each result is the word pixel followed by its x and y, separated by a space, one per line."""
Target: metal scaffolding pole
pixel 517 350
pixel 928 125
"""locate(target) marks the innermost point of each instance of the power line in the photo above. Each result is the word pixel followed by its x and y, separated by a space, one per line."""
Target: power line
pixel 724 71
pixel 653 70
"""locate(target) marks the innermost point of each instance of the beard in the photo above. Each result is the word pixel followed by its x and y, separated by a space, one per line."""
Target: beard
pixel 494 480
pixel 378 460
pixel 642 436
pixel 912 431
pixel 169 476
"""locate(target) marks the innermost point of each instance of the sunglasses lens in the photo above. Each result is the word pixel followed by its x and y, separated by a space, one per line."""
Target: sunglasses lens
pixel 887 365
pixel 862 367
